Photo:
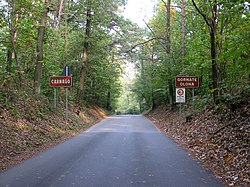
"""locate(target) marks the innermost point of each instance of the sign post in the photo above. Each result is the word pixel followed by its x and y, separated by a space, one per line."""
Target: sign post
pixel 62 81
pixel 180 95
pixel 187 82
pixel 182 82
pixel 54 99
pixel 180 98
pixel 67 110
pixel 192 100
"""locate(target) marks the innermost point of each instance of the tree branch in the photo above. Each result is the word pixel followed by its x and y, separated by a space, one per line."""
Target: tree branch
pixel 154 35
pixel 60 12
pixel 165 4
pixel 142 43
pixel 202 14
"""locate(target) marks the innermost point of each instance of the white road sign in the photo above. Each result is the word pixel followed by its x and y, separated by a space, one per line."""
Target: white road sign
pixel 180 95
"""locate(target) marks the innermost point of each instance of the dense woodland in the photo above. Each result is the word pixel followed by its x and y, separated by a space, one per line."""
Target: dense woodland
pixel 208 39
pixel 38 38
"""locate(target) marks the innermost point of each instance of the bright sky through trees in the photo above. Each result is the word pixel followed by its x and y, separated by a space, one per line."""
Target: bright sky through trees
pixel 139 10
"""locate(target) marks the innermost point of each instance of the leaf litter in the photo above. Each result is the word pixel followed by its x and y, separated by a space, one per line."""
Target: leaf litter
pixel 221 141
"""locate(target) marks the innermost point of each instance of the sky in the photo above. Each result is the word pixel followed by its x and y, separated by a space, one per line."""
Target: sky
pixel 137 10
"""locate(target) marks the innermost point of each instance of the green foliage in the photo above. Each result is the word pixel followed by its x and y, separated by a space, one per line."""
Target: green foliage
pixel 232 52
pixel 63 46
pixel 113 41
pixel 128 103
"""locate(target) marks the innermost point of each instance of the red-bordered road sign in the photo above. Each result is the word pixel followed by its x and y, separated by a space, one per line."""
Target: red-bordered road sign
pixel 180 95
pixel 60 81
pixel 180 92
pixel 187 82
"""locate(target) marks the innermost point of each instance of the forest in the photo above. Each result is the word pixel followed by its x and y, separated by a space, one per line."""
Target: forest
pixel 209 40
pixel 206 39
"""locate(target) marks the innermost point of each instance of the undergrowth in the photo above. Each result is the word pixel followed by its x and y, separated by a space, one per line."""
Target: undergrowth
pixel 29 124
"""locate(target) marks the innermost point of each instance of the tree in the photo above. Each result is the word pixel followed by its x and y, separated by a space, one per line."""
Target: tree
pixel 40 38
pixel 183 25
pixel 85 47
pixel 62 3
pixel 212 24
pixel 168 51
pixel 12 50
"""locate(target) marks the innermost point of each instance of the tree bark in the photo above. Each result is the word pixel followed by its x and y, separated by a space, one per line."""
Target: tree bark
pixel 183 29
pixel 212 24
pixel 171 93
pixel 168 51
pixel 62 3
pixel 39 61
pixel 168 30
pixel 213 31
pixel 12 51
pixel 9 60
pixel 85 49
pixel 108 107
pixel 85 53
pixel 168 27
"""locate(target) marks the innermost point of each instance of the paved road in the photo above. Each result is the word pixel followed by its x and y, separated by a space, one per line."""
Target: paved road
pixel 121 151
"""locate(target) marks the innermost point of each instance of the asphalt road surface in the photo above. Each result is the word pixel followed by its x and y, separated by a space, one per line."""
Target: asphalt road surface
pixel 121 151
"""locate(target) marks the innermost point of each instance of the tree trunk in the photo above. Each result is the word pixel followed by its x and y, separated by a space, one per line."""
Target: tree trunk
pixel 168 40
pixel 85 53
pixel 153 105
pixel 109 101
pixel 85 49
pixel 212 24
pixel 171 93
pixel 12 52
pixel 9 60
pixel 168 28
pixel 84 69
pixel 168 21
pixel 39 61
pixel 62 3
pixel 183 29
pixel 213 30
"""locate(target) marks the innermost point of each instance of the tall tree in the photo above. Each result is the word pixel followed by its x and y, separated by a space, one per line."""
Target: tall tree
pixel 12 51
pixel 40 38
pixel 168 24
pixel 168 51
pixel 60 12
pixel 85 47
pixel 212 22
pixel 183 25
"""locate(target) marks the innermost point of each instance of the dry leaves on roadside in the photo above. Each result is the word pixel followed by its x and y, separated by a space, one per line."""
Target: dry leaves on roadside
pixel 222 144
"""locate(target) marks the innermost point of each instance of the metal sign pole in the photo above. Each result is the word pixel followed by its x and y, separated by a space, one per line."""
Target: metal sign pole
pixel 54 99
pixel 67 71
pixel 192 100
pixel 180 114
pixel 64 80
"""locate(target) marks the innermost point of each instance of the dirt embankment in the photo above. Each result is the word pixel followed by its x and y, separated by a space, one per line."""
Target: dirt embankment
pixel 219 139
pixel 22 137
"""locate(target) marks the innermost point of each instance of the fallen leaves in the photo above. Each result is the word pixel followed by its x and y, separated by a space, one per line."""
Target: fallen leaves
pixel 221 143
pixel 23 137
